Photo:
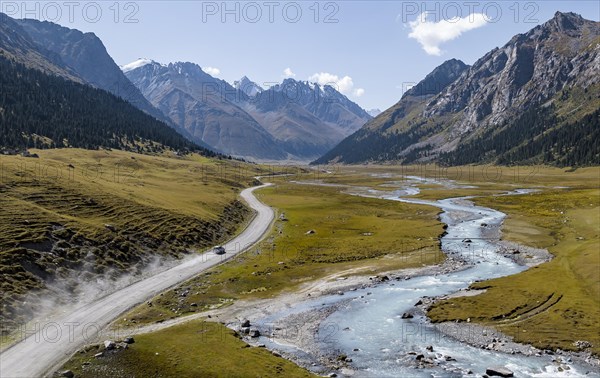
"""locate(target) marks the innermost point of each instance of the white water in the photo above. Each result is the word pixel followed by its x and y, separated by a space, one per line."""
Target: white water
pixel 371 321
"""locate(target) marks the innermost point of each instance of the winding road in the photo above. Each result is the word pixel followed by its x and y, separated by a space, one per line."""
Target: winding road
pixel 51 343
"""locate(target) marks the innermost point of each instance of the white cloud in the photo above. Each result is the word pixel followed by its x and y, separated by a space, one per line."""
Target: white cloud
pixel 343 85
pixel 432 34
pixel 288 73
pixel 212 71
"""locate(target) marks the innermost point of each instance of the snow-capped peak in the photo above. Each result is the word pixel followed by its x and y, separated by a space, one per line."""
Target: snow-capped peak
pixel 136 64
pixel 247 86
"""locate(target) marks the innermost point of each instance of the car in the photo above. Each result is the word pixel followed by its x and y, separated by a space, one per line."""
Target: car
pixel 219 250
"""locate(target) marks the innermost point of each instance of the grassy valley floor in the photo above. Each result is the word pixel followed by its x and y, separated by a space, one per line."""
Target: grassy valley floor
pixel 321 231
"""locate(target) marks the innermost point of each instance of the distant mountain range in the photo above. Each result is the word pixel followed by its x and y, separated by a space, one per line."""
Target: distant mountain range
pixel 237 120
pixel 293 120
pixel 535 100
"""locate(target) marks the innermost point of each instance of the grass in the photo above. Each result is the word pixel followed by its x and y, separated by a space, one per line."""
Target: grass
pixel 74 215
pixel 193 349
pixel 351 233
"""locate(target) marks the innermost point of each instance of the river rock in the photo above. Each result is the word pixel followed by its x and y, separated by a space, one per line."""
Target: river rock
pixel 245 323
pixel 67 373
pixel 128 340
pixel 109 345
pixel 406 315
pixel 499 371
pixel 254 332
pixel 582 344
pixel 430 348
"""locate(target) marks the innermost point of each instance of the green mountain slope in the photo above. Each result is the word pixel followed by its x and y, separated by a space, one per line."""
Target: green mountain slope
pixel 44 111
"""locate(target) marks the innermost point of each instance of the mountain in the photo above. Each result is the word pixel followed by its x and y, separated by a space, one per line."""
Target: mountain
pixel 305 118
pixel 86 55
pixel 247 86
pixel 491 111
pixel 17 45
pixel 45 111
pixel 293 120
pixel 205 107
pixel 374 112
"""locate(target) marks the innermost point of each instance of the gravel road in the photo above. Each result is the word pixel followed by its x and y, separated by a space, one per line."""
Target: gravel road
pixel 50 344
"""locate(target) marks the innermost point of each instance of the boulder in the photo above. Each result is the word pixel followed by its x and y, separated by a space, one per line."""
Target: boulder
pixel 128 340
pixel 499 371
pixel 109 345
pixel 406 315
pixel 245 330
pixel 67 373
pixel 254 332
pixel 430 348
pixel 245 323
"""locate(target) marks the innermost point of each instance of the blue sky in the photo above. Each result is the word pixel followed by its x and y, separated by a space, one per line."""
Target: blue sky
pixel 364 46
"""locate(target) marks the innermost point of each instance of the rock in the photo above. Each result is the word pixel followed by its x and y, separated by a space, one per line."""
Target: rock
pixel 276 354
pixel 245 323
pixel 128 340
pixel 310 232
pixel 430 348
pixel 332 375
pixel 406 315
pixel 98 355
pixel 254 332
pixel 110 227
pixel 582 344
pixel 193 304
pixel 355 349
pixel 67 373
pixel 467 241
pixel 449 358
pixel 499 371
pixel 245 330
pixel 261 346
pixel 420 357
pixel 419 302
pixel 109 345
